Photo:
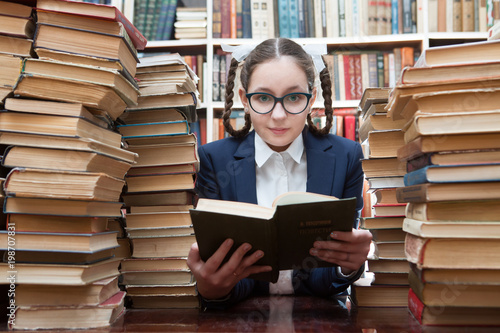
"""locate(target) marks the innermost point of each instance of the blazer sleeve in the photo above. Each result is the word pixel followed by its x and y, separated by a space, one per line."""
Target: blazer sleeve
pixel 354 181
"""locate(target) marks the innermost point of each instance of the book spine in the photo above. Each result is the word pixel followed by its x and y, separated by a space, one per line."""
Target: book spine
pixel 358 75
pixel 302 20
pixel 350 127
pixel 293 17
pixel 255 16
pixel 216 17
pixel 216 79
pixel 347 77
pixel 323 18
pixel 271 26
pixel 169 24
pixel 336 76
pixel 233 29
pixel 355 18
pixel 372 70
pixel 380 69
pixel 417 211
pixel 414 16
pixel 284 23
pixel 310 27
pixel 342 23
pixel 468 15
pixel 239 18
pixel 395 19
pixel 247 19
pixel 407 16
pixel 341 75
pixel 225 11
pixel 264 19
pixel 414 193
pixel 415 306
pixel 457 16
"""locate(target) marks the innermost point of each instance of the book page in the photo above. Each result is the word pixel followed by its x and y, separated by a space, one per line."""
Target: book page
pixel 235 208
pixel 291 198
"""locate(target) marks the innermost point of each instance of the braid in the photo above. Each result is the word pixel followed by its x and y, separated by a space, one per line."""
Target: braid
pixel 326 86
pixel 228 104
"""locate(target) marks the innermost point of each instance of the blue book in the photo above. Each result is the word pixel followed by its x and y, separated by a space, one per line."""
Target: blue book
pixel 454 174
pixel 169 24
pixel 246 19
pixel 162 19
pixel 395 17
pixel 302 19
pixel 284 24
pixel 293 10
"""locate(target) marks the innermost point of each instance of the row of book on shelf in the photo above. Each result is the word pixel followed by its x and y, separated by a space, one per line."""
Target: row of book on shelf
pixel 98 160
pixel 432 162
pixel 351 72
pixel 262 19
pixel 168 19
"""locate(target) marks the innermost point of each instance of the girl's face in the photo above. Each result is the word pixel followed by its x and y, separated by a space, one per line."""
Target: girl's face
pixel 278 77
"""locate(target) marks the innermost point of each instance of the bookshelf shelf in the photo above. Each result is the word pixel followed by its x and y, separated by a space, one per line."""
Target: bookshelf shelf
pixel 209 46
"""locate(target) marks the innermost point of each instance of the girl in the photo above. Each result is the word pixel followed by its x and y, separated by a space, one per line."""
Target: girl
pixel 281 154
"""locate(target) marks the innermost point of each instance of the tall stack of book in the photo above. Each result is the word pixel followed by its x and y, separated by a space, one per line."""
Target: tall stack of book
pixel 66 172
pixel 159 188
pixel 17 28
pixel 191 22
pixel 387 272
pixel 452 186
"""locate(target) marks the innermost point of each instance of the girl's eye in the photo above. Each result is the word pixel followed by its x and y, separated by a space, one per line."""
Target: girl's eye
pixel 264 98
pixel 293 98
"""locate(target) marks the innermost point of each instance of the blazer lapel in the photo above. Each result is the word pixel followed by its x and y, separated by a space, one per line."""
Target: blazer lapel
pixel 243 172
pixel 320 163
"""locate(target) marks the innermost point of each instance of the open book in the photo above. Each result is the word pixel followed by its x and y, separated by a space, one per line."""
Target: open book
pixel 286 232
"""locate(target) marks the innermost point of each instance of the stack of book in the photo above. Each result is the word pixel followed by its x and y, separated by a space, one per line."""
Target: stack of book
pixel 452 185
pixel 159 188
pixel 66 172
pixel 17 28
pixel 190 22
pixel 387 271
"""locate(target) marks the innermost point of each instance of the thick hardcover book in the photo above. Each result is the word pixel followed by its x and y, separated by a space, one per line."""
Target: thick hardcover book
pixel 453 173
pixel 285 232
pixel 95 11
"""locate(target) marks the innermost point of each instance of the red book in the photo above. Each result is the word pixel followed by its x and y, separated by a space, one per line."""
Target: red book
pixel 350 127
pixel 105 12
pixel 347 77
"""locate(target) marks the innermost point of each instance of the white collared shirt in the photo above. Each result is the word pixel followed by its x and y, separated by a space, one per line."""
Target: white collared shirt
pixel 278 173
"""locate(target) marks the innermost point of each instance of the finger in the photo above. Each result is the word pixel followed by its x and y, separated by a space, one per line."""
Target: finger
pixel 213 263
pixel 255 269
pixel 193 255
pixel 237 258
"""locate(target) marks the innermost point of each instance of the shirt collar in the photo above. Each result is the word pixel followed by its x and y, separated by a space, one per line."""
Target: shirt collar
pixel 263 152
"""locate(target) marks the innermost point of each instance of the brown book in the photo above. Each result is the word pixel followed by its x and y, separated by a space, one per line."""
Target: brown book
pixel 45 206
pixel 383 167
pixel 10 70
pixel 54 108
pixel 165 154
pixel 15 9
pixel 465 157
pixel 104 12
pixel 167 182
pixel 150 264
pixel 458 275
pixel 285 232
pixel 376 122
pixel 63 258
pixel 429 192
pixel 385 196
pixel 163 198
pixel 382 222
pixel 166 246
pixel 161 141
pixel 446 73
pixel 438 143
pixel 75 242
pixel 470 253
pixel 66 224
pixel 77 41
pixel 389 209
pixel 159 209
pixel 451 316
pixel 393 279
pixel 57 184
pixel 484 51
pixel 74 317
pixel 388 235
pixel 441 16
pixel 372 96
pixel 24 122
pixel 473 295
pixel 162 290
pixel 158 220
pixel 388 265
pixel 165 302
pixel 16 46
pixel 452 229
pixel 91 95
pixel 389 249
pixel 380 295
pixel 157 277
pixel 456 123
pixel 66 143
pixel 127 90
pixel 151 116
pixel 159 231
pixel 165 101
pixel 91 294
pixel 163 169
pixel 376 183
pixel 385 143
pixel 17 26
pixel 55 274
pixel 62 159
pixel 468 210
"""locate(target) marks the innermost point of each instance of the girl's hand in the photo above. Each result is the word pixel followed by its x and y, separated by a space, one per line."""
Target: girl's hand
pixel 215 281
pixel 349 250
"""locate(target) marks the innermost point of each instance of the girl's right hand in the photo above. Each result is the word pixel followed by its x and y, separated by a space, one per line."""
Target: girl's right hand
pixel 215 281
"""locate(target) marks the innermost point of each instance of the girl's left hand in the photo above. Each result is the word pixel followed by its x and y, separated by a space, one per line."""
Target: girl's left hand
pixel 349 250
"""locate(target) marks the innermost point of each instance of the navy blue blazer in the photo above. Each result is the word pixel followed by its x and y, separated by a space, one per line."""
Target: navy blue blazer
pixel 227 172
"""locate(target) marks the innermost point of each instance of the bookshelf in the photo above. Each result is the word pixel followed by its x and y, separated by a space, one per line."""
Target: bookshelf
pixel 422 39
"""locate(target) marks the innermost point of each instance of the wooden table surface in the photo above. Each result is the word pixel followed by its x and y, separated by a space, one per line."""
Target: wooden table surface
pixel 278 314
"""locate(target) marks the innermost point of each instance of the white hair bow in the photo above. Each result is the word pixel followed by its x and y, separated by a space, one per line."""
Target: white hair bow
pixel 240 52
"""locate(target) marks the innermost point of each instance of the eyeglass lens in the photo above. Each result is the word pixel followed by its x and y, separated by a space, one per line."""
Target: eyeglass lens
pixel 292 103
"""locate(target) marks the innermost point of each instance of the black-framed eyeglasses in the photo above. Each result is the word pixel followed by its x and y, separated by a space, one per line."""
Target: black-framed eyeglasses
pixel 293 103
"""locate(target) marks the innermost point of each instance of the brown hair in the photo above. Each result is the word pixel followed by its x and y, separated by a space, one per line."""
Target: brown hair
pixel 268 50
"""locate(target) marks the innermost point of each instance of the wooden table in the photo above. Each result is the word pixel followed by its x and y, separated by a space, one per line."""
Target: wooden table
pixel 279 314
